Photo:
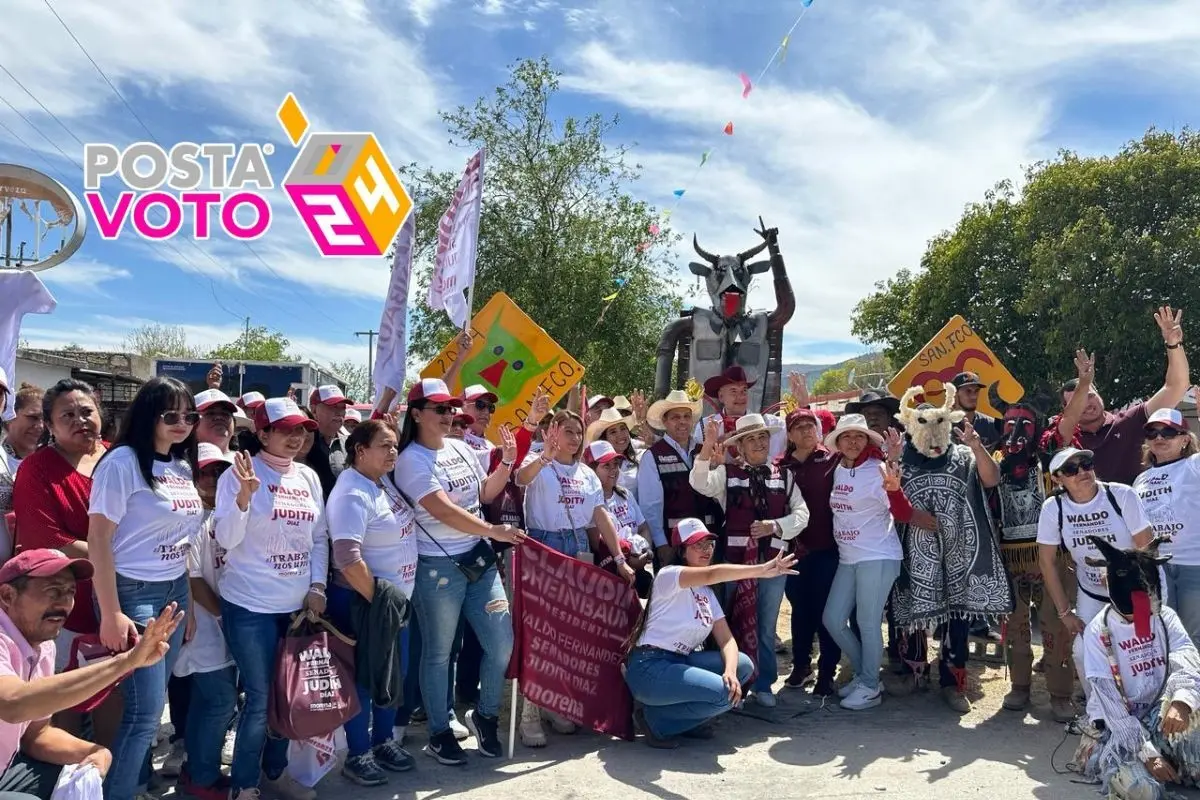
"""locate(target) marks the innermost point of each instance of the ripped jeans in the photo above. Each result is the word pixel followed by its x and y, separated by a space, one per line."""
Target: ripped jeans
pixel 441 595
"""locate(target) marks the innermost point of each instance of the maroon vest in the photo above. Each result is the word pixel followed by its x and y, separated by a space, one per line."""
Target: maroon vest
pixel 680 500
pixel 740 513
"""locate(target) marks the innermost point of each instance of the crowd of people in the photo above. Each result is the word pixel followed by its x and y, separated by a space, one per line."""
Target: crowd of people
pixel 161 566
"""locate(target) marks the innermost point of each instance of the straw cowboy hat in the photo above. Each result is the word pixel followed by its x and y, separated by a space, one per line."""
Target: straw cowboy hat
pixel 746 426
pixel 608 418
pixel 851 423
pixel 621 403
pixel 677 398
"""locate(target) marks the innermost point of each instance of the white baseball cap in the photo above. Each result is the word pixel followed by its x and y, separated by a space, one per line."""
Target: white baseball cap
pixel 327 395
pixel 690 530
pixel 282 412
pixel 1066 454
pixel 353 414
pixel 209 453
pixel 600 452
pixel 433 390
pixel 251 400
pixel 211 397
pixel 1170 417
pixel 477 391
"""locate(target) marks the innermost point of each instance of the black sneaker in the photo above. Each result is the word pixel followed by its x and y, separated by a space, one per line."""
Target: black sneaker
pixel 444 747
pixel 391 756
pixel 486 731
pixel 364 771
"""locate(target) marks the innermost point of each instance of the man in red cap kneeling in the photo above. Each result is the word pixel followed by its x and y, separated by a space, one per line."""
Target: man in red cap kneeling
pixel 37 592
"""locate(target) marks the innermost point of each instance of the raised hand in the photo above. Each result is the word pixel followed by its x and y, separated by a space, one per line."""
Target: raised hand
pixel 770 235
pixel 1085 366
pixel 248 482
pixel 968 436
pixel 798 385
pixel 463 342
pixel 213 378
pixel 780 565
pixel 637 399
pixel 712 435
pixel 551 442
pixel 893 444
pixel 538 408
pixel 891 476
pixel 1168 321
pixel 156 641
pixel 508 445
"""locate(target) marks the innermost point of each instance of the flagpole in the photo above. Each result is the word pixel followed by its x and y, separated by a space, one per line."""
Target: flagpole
pixel 512 720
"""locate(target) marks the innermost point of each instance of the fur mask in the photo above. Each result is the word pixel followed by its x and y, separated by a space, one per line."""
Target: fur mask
pixel 1134 586
pixel 929 428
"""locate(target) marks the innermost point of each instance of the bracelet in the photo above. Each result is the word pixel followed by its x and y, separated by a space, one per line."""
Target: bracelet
pixel 1065 614
pixel 506 464
pixel 1173 346
pixel 619 560
pixel 545 462
pixel 317 590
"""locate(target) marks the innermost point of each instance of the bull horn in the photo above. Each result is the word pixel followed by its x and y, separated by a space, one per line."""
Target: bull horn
pixel 707 256
pixel 995 399
pixel 752 252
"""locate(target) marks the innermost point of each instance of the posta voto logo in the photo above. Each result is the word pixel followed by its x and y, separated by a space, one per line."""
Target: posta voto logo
pixel 342 186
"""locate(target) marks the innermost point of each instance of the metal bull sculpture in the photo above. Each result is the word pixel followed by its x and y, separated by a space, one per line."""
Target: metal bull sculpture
pixel 704 342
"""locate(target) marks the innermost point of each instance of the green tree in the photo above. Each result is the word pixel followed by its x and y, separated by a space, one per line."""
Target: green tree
pixel 1079 258
pixel 256 344
pixel 154 340
pixel 558 230
pixel 832 380
pixel 354 373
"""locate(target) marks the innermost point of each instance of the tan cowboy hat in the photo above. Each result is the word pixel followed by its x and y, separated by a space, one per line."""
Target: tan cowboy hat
pixel 848 423
pixel 608 418
pixel 621 403
pixel 677 398
pixel 746 426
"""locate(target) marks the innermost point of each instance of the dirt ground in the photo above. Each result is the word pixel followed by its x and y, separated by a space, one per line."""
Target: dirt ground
pixel 910 747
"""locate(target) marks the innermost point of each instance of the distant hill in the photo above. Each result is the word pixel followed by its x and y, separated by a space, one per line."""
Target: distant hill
pixel 814 371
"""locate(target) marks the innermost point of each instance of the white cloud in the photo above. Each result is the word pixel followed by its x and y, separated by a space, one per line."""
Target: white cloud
pixel 423 10
pixel 82 274
pixel 872 137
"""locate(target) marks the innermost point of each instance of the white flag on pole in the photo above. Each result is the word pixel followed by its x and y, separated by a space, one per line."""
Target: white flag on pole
pixel 392 355
pixel 458 237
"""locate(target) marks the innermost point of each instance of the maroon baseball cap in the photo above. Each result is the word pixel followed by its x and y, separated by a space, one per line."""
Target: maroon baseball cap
pixel 802 413
pixel 43 563
pixel 433 390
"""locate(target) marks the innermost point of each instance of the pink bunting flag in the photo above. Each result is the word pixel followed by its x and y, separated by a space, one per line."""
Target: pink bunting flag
pixel 654 229
pixel 747 86
pixel 643 247
pixel 729 129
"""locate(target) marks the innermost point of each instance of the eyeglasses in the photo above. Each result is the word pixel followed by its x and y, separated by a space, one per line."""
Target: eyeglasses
pixel 1162 433
pixel 440 409
pixel 484 405
pixel 705 544
pixel 1073 468
pixel 175 417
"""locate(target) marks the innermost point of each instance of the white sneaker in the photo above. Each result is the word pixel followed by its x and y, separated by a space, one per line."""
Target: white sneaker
pixel 399 732
pixel 765 699
pixel 460 731
pixel 862 698
pixel 173 764
pixel 227 747
pixel 849 688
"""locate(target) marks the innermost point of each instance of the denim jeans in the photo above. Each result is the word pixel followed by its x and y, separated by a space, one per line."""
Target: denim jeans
pixel 568 542
pixel 1183 594
pixel 679 692
pixel 145 691
pixel 443 595
pixel 373 724
pixel 770 597
pixel 410 639
pixel 254 640
pixel 865 585
pixel 212 706
pixel 807 593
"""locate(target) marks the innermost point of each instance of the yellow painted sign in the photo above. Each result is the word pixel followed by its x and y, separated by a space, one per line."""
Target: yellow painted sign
pixel 956 348
pixel 511 356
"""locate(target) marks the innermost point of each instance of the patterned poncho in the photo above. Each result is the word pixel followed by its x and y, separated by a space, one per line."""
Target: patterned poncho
pixel 955 573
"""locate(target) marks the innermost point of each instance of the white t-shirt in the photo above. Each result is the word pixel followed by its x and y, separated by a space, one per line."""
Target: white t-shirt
pixel 279 546
pixel 1171 497
pixel 1095 518
pixel 628 478
pixel 380 521
pixel 206 652
pixel 1142 662
pixel 862 519
pixel 679 620
pixel 562 497
pixel 21 293
pixel 628 518
pixel 154 526
pixel 454 470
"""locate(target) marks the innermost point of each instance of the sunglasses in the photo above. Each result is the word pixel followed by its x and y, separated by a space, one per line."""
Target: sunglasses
pixel 440 409
pixel 484 405
pixel 1162 433
pixel 1075 467
pixel 175 417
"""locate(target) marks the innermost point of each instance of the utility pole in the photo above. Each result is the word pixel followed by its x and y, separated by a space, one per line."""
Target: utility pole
pixel 370 360
pixel 245 354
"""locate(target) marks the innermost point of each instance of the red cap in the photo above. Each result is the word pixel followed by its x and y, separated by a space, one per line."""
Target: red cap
pixel 434 390
pixel 463 417
pixel 327 396
pixel 478 391
pixel 600 452
pixel 282 412
pixel 43 563
pixel 251 400
pixel 802 413
pixel 690 530
pixel 213 397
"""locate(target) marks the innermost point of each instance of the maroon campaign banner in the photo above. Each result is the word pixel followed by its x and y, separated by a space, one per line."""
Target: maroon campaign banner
pixel 572 620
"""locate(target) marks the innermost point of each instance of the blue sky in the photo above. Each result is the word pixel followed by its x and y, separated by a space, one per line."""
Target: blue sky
pixel 884 120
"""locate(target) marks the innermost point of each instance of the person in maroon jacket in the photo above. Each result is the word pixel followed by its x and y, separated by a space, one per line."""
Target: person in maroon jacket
pixel 811 466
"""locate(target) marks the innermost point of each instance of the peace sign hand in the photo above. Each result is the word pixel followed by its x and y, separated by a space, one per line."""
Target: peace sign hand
pixel 891 476
pixel 508 444
pixel 770 235
pixel 1085 366
pixel 248 482
pixel 539 407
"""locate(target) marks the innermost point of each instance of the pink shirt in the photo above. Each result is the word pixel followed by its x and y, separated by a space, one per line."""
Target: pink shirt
pixel 19 658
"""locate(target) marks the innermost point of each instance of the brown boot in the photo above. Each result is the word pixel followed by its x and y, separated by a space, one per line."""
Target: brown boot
pixel 1062 709
pixel 956 696
pixel 1017 699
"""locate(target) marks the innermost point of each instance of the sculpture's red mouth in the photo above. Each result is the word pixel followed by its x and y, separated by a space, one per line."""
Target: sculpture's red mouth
pixel 731 301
